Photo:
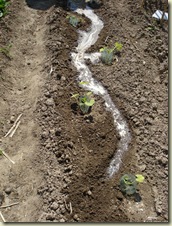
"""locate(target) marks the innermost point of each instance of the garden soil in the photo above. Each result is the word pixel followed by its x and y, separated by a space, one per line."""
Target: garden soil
pixel 61 156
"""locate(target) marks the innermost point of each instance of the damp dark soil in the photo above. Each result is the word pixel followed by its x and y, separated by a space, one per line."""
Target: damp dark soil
pixel 61 156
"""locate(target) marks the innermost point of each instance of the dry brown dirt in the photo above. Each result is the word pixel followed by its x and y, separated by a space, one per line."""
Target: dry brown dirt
pixel 60 155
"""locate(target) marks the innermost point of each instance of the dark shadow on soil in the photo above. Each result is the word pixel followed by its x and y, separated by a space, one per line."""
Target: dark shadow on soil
pixel 45 4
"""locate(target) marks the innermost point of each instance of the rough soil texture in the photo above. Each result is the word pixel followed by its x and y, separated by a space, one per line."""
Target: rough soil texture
pixel 60 155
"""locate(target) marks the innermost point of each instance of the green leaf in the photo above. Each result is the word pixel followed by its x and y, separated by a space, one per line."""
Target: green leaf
pixel 102 49
pixel 90 103
pixel 89 93
pixel 1 153
pixel 118 46
pixel 139 178
pixel 84 83
pixel 75 95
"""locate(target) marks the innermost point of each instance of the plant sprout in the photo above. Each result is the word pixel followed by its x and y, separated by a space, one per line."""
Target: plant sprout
pixel 129 182
pixel 74 20
pixel 84 101
pixel 107 54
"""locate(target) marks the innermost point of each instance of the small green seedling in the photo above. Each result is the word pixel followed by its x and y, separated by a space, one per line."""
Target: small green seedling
pixel 118 47
pixel 6 50
pixel 107 54
pixel 3 7
pixel 74 20
pixel 129 182
pixel 84 101
pixel 1 153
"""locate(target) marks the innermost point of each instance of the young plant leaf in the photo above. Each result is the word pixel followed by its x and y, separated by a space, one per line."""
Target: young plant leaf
pixel 139 178
pixel 84 83
pixel 118 46
pixel 75 95
pixel 90 103
pixel 89 93
pixel 1 152
pixel 102 49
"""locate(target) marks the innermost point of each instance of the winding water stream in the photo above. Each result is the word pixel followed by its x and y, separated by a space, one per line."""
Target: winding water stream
pixel 86 40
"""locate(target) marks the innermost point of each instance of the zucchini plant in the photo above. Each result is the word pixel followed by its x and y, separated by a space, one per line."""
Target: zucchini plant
pixel 74 20
pixel 129 183
pixel 107 54
pixel 84 101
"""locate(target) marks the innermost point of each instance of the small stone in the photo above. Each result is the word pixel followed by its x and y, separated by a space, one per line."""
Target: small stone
pixel 70 173
pixel 52 131
pixel 8 190
pixel 148 121
pixel 70 144
pixel 12 119
pixel 154 106
pixel 47 94
pixel 62 220
pixel 63 78
pixel 75 217
pixel 158 209
pixel 44 108
pixel 164 160
pixel 54 206
pixel 89 192
pixel 48 145
pixel 142 99
pixel 142 167
pixel 49 102
pixel 60 93
pixel 45 134
pixel 50 217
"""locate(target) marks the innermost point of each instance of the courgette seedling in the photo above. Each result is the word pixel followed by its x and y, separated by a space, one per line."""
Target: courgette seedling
pixel 84 101
pixel 74 20
pixel 107 54
pixel 129 183
pixel 3 7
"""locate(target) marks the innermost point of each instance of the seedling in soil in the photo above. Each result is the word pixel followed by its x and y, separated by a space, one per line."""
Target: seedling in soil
pixel 6 51
pixel 129 183
pixel 3 7
pixel 107 54
pixel 84 101
pixel 74 20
